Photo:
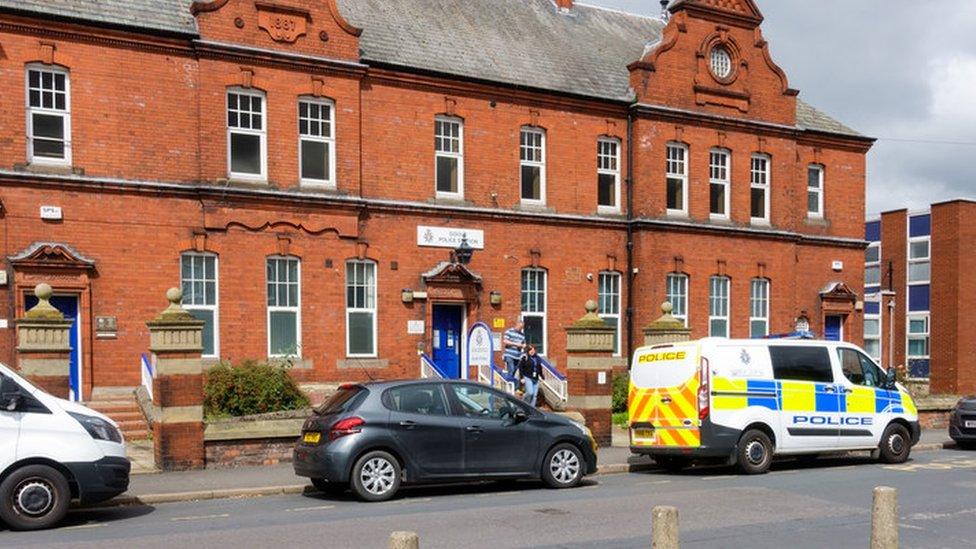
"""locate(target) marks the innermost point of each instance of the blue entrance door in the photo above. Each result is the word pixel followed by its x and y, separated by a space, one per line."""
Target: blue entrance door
pixel 68 305
pixel 446 334
pixel 834 328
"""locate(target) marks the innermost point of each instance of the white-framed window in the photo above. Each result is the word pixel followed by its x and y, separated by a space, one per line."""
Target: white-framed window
pixel 247 143
pixel 316 146
pixel 918 336
pixel 201 296
pixel 815 191
pixel 760 187
pixel 718 306
pixel 608 174
pixel 609 305
pixel 677 178
pixel 48 115
pixel 284 306
pixel 449 157
pixel 759 308
pixel 361 334
pixel 873 336
pixel 872 264
pixel 534 307
pixel 721 62
pixel 532 152
pixel 719 173
pixel 919 260
pixel 677 294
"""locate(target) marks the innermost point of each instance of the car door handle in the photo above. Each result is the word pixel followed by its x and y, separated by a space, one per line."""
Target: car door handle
pixel 408 424
pixel 473 429
pixel 830 389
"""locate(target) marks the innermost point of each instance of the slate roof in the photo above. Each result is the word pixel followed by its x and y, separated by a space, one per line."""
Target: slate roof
pixel 516 42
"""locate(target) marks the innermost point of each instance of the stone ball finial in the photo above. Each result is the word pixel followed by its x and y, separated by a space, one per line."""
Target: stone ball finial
pixel 174 295
pixel 667 308
pixel 43 291
pixel 590 306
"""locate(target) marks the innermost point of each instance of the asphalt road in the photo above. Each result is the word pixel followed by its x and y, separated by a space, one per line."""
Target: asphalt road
pixel 823 504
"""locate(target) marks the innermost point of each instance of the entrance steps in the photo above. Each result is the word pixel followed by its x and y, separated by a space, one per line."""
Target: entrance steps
pixel 122 406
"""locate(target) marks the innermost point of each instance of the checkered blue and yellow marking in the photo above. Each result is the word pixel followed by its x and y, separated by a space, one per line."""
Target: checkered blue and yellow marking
pixel 799 396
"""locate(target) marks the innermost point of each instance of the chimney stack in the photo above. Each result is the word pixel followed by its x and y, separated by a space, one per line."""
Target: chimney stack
pixel 665 15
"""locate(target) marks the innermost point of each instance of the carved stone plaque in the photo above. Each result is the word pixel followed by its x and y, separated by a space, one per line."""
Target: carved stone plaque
pixel 282 23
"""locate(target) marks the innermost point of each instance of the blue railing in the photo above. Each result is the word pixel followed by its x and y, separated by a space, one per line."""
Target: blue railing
pixel 429 368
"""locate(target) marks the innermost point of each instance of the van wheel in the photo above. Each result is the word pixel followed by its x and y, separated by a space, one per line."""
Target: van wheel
pixel 754 453
pixel 563 466
pixel 34 497
pixel 329 488
pixel 376 476
pixel 671 464
pixel 895 444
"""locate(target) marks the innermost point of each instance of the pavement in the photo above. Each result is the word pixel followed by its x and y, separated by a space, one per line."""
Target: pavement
pixel 269 480
pixel 823 503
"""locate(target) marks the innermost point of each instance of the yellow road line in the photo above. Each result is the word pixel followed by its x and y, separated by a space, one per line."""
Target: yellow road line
pixel 200 517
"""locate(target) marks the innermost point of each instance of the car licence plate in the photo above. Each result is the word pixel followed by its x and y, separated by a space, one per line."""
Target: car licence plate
pixel 644 435
pixel 970 424
pixel 312 438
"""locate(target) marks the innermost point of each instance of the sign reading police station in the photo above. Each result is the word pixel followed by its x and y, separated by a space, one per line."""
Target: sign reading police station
pixel 449 237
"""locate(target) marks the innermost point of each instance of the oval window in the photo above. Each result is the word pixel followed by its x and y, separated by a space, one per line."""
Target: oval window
pixel 721 62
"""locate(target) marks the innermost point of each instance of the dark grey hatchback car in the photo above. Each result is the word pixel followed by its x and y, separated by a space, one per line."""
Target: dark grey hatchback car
pixel 373 437
pixel 962 422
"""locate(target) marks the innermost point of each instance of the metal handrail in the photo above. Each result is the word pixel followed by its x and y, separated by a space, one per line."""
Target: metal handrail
pixel 147 371
pixel 555 381
pixel 428 369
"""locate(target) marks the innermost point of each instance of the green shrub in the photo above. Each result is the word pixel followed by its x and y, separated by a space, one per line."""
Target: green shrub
pixel 621 386
pixel 250 388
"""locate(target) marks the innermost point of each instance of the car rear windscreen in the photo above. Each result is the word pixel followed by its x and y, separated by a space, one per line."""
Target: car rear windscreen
pixel 340 400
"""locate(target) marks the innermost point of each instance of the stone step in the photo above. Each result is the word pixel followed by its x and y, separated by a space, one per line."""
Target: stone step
pixel 133 425
pixel 136 434
pixel 120 417
pixel 113 405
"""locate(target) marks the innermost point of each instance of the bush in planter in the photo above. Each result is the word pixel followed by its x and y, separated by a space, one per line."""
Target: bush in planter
pixel 621 388
pixel 249 388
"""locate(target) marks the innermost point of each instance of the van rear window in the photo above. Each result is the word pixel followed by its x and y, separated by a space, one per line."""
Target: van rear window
pixel 801 363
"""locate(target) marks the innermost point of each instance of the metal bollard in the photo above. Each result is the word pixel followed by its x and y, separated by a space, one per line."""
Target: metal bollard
pixel 404 540
pixel 884 518
pixel 664 528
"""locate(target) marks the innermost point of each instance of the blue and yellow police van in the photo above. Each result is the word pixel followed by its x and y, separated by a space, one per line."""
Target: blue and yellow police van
pixel 747 401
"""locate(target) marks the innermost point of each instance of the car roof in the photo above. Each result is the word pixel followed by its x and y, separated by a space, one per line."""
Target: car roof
pixel 387 383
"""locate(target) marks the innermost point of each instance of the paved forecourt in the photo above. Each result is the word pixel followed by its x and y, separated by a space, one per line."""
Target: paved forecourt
pixel 826 503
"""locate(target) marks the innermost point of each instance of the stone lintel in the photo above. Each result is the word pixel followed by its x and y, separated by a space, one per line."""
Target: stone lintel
pixel 180 414
pixel 590 402
pixel 178 367
pixel 44 367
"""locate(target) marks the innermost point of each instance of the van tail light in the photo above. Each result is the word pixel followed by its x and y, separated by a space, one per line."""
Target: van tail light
pixel 703 388
pixel 347 426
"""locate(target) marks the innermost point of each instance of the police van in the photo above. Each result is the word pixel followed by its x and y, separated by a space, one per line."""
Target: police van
pixel 746 401
pixel 53 451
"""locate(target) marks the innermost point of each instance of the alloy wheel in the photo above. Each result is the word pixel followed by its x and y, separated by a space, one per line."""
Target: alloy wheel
pixel 377 476
pixel 564 466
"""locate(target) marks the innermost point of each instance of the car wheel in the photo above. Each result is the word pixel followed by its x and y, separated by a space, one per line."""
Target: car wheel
pixel 563 466
pixel 895 444
pixel 754 453
pixel 672 464
pixel 330 488
pixel 34 497
pixel 966 444
pixel 376 476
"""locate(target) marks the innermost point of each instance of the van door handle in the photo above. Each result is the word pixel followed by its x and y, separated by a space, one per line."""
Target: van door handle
pixel 408 424
pixel 830 389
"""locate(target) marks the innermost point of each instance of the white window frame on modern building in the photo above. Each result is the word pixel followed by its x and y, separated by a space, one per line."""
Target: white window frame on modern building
pixel 676 170
pixel 879 336
pixel 759 299
pixel 319 129
pixel 872 266
pixel 368 306
pixel 608 165
pixel 533 155
pixel 452 147
pixel 533 311
pixel 290 308
pixel 260 132
pixel 193 301
pixel 719 304
pixel 920 260
pixel 720 174
pixel 818 190
pixel 35 99
pixel 760 180
pixel 676 292
pixel 918 336
pixel 608 301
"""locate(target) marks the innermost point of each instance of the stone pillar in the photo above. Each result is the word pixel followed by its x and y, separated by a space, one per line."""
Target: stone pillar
pixel 44 345
pixel 666 329
pixel 589 372
pixel 176 341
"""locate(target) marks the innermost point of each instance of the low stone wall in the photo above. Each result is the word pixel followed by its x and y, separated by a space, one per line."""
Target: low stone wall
pixel 933 410
pixel 265 439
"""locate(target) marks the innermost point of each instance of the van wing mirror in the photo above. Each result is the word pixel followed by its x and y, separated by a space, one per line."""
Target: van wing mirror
pixel 891 376
pixel 10 401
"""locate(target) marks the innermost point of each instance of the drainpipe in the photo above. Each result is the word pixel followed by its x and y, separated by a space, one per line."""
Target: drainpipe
pixel 629 347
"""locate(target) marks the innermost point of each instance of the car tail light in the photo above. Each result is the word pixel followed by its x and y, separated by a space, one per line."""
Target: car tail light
pixel 347 426
pixel 703 388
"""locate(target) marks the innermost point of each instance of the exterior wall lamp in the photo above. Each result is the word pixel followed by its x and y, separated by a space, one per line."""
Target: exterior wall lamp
pixel 406 295
pixel 495 297
pixel 464 251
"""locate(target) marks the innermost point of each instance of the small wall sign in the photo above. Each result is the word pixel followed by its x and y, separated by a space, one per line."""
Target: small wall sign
pixel 51 213
pixel 449 237
pixel 415 327
pixel 106 327
pixel 498 323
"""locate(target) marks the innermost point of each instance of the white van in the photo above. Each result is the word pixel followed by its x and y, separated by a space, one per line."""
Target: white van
pixel 746 401
pixel 53 451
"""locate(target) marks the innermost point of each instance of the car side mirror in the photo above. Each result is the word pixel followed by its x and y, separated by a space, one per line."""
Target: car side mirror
pixel 520 416
pixel 10 401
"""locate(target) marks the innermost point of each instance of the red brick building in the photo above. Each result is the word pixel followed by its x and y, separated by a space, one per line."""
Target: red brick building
pixel 919 287
pixel 304 168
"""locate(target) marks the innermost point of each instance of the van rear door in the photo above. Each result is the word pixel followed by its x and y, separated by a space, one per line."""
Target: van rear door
pixel 663 399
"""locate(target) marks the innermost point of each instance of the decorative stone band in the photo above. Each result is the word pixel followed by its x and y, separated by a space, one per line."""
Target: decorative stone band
pixel 171 337
pixel 594 363
pixel 44 367
pixel 589 402
pixel 180 414
pixel 43 335
pixel 590 340
pixel 178 366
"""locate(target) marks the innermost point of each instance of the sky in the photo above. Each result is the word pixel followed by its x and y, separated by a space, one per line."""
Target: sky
pixel 902 71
